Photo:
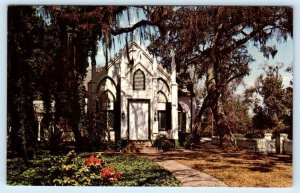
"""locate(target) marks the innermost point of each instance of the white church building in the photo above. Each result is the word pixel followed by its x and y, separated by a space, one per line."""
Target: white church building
pixel 138 99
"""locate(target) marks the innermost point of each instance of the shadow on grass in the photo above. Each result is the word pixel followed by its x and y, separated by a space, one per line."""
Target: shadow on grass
pixel 260 169
pixel 213 160
pixel 241 156
pixel 235 161
pixel 148 177
pixel 204 166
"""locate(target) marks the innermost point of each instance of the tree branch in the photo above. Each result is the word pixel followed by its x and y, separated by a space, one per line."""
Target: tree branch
pixel 236 76
pixel 135 26
pixel 233 45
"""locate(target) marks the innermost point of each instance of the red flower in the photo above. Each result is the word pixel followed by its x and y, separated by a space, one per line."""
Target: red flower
pixel 118 175
pixel 88 161
pixel 93 161
pixel 111 169
pixel 105 173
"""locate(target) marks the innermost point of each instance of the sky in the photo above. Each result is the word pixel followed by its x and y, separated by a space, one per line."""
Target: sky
pixel 284 55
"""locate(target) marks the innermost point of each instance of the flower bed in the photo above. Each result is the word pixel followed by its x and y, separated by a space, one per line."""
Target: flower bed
pixel 88 169
pixel 93 171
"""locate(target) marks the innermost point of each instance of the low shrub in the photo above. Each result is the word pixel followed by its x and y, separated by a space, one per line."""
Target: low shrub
pixel 72 170
pixel 163 143
pixel 191 140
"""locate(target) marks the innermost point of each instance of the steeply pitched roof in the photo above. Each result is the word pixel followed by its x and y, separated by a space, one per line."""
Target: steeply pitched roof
pixel 134 46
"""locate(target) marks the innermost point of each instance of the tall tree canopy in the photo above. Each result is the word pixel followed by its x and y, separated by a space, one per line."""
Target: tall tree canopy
pixel 31 48
pixel 214 39
pixel 48 50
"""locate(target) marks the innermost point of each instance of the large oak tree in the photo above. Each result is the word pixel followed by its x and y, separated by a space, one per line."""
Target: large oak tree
pixel 214 39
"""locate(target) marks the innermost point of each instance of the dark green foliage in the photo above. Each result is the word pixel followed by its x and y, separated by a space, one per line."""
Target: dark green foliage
pixel 56 141
pixel 48 62
pixel 26 60
pixel 276 109
pixel 191 140
pixel 139 171
pixel 163 143
pixel 51 170
pixel 62 170
pixel 261 120
pixel 34 172
pixel 181 137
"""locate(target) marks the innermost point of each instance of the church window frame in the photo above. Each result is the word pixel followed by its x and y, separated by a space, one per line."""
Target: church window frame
pixel 139 80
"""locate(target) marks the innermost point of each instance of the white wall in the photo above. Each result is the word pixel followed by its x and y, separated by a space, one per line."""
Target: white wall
pixel 149 67
pixel 265 145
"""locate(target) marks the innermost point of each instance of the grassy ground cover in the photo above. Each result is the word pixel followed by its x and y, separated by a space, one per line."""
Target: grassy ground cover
pixel 135 171
pixel 241 168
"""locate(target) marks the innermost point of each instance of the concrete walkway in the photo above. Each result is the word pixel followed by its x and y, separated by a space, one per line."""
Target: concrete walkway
pixel 190 177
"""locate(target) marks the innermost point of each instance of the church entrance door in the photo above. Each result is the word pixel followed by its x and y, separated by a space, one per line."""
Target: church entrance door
pixel 139 119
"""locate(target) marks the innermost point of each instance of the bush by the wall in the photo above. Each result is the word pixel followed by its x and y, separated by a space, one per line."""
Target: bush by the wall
pixel 163 143
pixel 191 140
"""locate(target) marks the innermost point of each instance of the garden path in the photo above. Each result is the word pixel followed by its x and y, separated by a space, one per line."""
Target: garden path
pixel 188 176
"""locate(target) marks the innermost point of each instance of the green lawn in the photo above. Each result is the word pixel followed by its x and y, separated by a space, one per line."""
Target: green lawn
pixel 134 171
pixel 141 172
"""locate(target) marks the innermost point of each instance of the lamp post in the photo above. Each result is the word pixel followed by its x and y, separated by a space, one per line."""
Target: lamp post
pixel 39 119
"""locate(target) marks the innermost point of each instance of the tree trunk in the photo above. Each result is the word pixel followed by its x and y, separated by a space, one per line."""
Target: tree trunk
pixel 24 143
pixel 233 139
pixel 208 101
pixel 216 111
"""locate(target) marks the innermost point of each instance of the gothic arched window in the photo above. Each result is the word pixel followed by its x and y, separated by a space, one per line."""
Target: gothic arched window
pixel 138 80
pixel 105 110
